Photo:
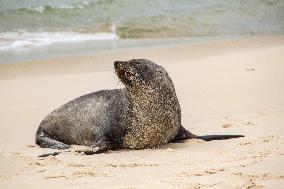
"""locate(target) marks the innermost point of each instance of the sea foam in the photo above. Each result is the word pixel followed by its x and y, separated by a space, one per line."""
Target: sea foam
pixel 22 40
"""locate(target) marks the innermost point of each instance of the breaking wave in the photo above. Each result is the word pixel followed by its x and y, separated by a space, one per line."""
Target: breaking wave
pixel 24 40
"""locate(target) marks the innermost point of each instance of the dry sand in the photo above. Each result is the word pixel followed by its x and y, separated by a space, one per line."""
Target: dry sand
pixel 226 87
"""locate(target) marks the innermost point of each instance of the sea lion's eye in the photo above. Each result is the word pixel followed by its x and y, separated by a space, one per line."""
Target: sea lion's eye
pixel 160 72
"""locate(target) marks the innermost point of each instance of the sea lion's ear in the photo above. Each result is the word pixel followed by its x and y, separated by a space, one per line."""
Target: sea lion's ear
pixel 145 73
pixel 160 72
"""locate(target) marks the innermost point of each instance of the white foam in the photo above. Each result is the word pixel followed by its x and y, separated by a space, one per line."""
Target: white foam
pixel 26 40
pixel 42 8
pixel 38 9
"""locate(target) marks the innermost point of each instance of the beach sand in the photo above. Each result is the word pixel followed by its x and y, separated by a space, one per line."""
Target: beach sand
pixel 225 87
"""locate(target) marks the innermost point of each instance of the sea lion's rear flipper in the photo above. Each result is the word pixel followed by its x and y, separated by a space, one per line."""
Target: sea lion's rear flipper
pixel 45 141
pixel 185 134
pixel 218 137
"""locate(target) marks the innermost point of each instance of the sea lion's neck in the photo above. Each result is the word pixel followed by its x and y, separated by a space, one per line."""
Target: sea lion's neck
pixel 145 97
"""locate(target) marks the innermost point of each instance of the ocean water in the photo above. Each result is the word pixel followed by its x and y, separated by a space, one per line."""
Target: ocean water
pixel 27 26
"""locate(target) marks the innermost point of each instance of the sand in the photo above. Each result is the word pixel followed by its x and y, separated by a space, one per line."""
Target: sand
pixel 225 87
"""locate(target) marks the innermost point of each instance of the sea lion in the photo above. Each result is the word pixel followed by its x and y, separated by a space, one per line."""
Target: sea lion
pixel 144 114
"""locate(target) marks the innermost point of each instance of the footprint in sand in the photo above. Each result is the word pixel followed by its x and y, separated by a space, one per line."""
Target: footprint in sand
pixel 203 173
pixel 78 174
pixel 250 69
pixel 129 165
pixel 249 123
pixel 229 125
pixel 269 138
pixel 55 177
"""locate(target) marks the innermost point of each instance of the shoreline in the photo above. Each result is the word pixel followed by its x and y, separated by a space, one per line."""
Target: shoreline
pixel 102 61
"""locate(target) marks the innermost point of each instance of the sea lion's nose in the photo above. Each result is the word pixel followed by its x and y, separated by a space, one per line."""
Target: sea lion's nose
pixel 118 64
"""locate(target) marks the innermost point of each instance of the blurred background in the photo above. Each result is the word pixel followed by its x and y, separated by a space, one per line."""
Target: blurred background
pixel 38 29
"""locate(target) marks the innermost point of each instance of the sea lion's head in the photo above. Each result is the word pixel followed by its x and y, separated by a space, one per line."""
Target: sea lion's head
pixel 141 72
pixel 154 108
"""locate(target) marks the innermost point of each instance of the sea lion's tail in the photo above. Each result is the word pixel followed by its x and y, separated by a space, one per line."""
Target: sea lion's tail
pixel 217 137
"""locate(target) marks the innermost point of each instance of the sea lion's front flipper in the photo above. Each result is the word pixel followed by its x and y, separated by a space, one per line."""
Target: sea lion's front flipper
pixel 101 144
